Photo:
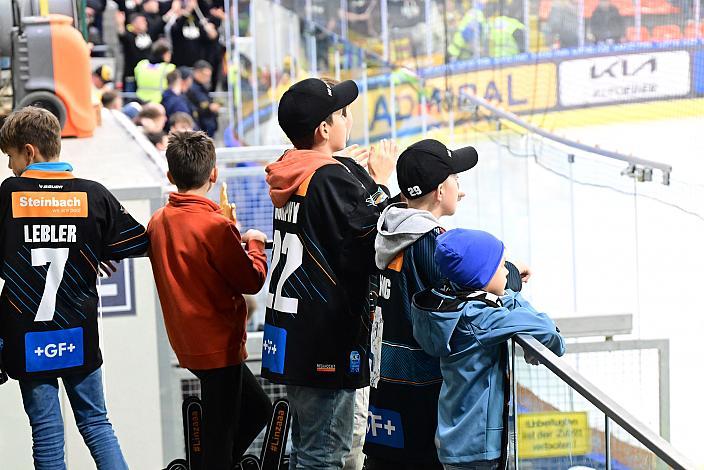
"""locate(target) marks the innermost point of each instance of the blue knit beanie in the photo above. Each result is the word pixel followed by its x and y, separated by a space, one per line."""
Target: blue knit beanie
pixel 468 257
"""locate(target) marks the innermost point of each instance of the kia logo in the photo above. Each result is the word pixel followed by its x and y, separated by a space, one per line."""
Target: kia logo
pixel 624 68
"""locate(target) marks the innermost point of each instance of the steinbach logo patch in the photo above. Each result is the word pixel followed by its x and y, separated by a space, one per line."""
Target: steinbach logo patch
pixel 274 349
pixel 51 350
pixel 49 204
pixel 385 428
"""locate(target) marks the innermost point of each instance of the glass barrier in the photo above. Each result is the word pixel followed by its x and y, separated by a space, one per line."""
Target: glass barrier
pixel 556 428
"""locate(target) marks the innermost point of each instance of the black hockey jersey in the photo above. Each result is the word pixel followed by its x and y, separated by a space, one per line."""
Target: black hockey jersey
pixel 56 229
pixel 318 318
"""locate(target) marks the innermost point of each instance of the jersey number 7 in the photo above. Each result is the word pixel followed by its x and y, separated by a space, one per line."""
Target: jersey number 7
pixel 56 258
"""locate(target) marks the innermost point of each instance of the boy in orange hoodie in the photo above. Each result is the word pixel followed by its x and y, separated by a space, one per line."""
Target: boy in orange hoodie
pixel 201 272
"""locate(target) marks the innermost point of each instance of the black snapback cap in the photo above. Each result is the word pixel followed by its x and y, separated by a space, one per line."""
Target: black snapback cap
pixel 309 102
pixel 424 165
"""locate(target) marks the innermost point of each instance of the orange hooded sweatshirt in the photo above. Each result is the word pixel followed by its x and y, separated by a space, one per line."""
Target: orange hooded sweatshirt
pixel 286 174
pixel 201 272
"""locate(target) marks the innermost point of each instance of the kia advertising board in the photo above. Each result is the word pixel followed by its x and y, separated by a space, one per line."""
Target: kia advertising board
pixel 633 77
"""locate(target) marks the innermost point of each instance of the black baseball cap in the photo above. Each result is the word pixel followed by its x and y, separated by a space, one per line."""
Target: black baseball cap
pixel 426 164
pixel 309 102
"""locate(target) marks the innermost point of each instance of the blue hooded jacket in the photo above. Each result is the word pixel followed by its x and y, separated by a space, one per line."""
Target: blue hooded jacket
pixel 470 338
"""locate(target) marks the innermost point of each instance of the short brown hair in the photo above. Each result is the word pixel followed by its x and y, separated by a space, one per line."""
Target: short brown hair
pixel 34 126
pixel 191 158
pixel 307 141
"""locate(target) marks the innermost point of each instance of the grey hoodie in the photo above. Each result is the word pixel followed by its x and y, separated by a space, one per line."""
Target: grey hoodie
pixel 399 227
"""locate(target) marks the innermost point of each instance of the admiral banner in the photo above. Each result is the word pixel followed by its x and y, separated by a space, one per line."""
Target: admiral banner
pixel 632 77
pixel 515 88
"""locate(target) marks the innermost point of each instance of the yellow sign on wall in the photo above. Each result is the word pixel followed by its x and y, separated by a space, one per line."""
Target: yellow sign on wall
pixel 556 434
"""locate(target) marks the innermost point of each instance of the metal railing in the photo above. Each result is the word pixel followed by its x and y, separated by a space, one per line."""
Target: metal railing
pixel 636 165
pixel 613 412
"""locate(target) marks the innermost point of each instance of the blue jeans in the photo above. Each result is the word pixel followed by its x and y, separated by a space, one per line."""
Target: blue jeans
pixel 322 426
pixel 85 392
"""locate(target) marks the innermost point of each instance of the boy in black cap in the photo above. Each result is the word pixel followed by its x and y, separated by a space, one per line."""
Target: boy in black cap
pixel 403 404
pixel 316 336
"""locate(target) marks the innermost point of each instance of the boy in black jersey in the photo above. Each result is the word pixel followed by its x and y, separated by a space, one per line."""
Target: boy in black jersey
pixel 57 230
pixel 316 336
pixel 404 396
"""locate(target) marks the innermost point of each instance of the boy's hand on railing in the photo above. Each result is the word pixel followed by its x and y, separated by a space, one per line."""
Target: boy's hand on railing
pixel 382 161
pixel 530 359
pixel 523 269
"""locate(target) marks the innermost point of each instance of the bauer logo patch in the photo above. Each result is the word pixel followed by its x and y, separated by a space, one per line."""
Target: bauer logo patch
pixel 51 350
pixel 385 428
pixel 274 349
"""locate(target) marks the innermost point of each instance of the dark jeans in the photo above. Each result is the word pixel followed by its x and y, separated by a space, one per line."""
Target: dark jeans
pixel 235 410
pixel 373 463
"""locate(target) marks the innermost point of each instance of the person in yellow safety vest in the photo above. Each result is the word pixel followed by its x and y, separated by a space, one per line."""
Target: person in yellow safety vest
pixel 470 34
pixel 150 74
pixel 506 34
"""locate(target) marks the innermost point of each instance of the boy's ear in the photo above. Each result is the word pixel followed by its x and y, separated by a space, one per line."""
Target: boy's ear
pixel 323 131
pixel 171 178
pixel 213 175
pixel 439 193
pixel 29 153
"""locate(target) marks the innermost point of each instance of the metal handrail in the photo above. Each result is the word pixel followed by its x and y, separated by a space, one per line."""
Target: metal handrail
pixel 632 161
pixel 612 410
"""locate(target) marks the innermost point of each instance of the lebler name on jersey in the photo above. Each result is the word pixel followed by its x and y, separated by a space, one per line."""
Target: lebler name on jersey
pixel 50 234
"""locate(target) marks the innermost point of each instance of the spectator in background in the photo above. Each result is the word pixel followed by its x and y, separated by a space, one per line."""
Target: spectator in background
pixel 607 24
pixel 200 97
pixel 94 20
pixel 150 75
pixel 136 45
pixel 159 140
pixel 506 34
pixel 180 122
pixel 155 21
pixel 563 24
pixel 192 35
pixel 152 118
pixel 102 78
pixel 470 34
pixel 111 100
pixel 174 98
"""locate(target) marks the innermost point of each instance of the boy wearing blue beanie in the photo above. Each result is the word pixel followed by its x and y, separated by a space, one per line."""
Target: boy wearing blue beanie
pixel 467 324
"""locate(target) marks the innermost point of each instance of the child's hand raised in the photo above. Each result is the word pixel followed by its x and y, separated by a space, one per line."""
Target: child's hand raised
pixel 359 154
pixel 382 161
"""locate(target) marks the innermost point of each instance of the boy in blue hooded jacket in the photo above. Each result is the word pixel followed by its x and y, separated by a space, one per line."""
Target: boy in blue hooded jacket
pixel 467 324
